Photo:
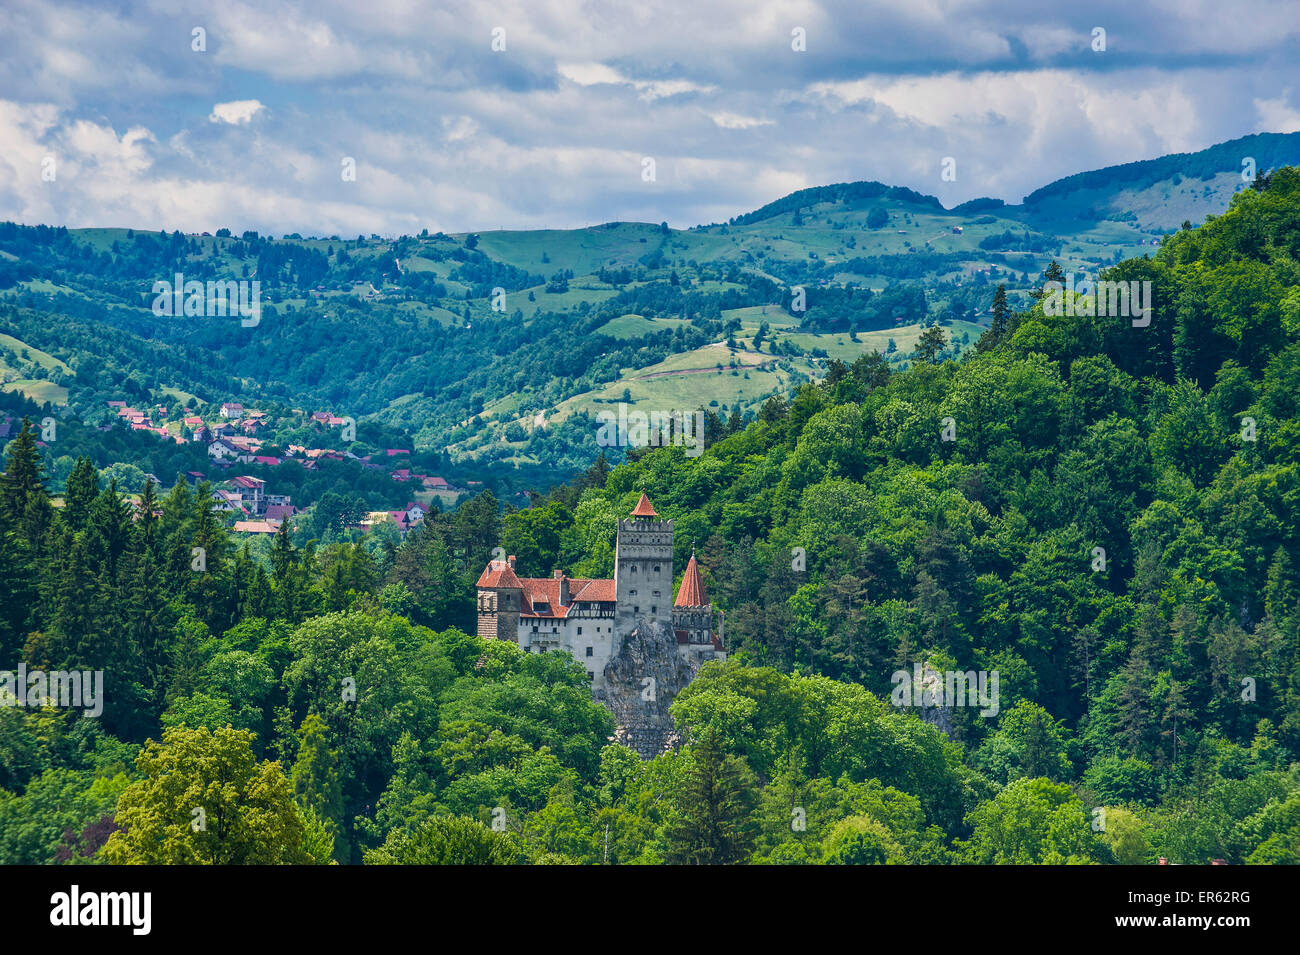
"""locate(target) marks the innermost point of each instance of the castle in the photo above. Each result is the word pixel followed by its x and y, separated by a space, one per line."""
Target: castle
pixel 593 619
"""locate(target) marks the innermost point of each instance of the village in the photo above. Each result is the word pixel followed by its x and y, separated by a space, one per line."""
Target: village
pixel 236 435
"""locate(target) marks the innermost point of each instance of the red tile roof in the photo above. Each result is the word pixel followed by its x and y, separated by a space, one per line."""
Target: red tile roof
pixel 545 591
pixel 498 573
pixel 256 527
pixel 691 593
pixel 593 590
pixel 644 508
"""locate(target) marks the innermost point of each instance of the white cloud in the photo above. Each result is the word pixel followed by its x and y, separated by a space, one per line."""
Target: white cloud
pixel 600 74
pixel 1276 116
pixel 736 121
pixel 237 112
pixel 448 134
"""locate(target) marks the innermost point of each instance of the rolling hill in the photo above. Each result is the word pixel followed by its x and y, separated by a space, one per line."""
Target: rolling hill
pixel 500 346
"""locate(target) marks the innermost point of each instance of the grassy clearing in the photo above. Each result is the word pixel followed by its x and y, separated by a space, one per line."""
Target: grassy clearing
pixel 39 391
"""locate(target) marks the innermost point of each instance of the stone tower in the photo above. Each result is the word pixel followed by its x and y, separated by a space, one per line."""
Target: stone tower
pixel 692 611
pixel 643 568
pixel 500 598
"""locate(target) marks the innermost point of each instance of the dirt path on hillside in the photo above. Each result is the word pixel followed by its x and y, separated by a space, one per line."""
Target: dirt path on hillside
pixel 703 371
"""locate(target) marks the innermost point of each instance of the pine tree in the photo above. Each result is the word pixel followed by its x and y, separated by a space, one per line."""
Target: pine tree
pixel 716 822
pixel 1053 273
pixel 82 489
pixel 1001 312
pixel 148 616
pixel 17 587
pixel 22 475
pixel 930 344
pixel 283 555
pixel 315 776
pixel 290 578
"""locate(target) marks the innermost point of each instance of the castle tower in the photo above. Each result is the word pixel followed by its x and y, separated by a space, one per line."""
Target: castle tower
pixel 643 568
pixel 692 612
pixel 500 594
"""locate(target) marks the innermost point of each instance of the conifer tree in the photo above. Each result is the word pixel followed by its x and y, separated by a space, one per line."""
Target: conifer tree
pixel 22 475
pixel 148 617
pixel 315 775
pixel 82 489
pixel 716 822
pixel 1001 315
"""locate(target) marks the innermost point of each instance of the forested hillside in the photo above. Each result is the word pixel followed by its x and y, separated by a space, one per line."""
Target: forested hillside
pixel 501 347
pixel 1114 528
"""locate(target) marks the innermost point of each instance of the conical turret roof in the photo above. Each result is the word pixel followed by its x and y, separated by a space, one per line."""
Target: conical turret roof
pixel 691 593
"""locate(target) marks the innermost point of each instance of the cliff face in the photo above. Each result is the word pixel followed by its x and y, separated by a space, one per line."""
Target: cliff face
pixel 643 679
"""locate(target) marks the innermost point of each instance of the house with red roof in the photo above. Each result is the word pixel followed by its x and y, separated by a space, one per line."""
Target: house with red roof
pixel 280 512
pixel 257 527
pixel 251 491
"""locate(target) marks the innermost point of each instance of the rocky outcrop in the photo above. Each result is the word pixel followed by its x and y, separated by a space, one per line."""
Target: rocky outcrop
pixel 642 680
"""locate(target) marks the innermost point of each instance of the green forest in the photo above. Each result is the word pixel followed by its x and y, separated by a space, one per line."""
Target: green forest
pixel 1106 516
pixel 499 348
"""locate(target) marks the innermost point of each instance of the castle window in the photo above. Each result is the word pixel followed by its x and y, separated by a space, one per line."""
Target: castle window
pixel 656 592
pixel 590 675
pixel 579 631
pixel 589 653
pixel 636 609
pixel 632 569
pixel 654 609
pixel 656 568
pixel 634 593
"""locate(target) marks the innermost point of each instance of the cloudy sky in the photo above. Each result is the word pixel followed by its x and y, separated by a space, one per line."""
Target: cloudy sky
pixel 242 114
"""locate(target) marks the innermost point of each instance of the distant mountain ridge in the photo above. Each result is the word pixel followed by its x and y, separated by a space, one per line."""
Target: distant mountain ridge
pixel 502 345
pixel 1268 150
